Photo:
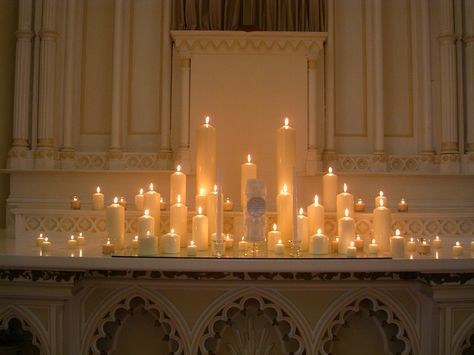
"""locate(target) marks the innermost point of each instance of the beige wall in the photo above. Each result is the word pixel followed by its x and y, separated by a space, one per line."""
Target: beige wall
pixel 8 20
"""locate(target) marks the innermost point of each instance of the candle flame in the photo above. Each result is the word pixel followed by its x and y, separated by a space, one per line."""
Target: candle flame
pixel 316 200
pixel 279 241
pixel 381 203
pixel 74 198
pixel 41 235
pixel 352 243
pixel 358 238
pixel 319 231
pixel 172 230
pixel 147 212
pixel 243 238
pixel 337 239
pixel 381 193
pixel 136 237
pixel 411 240
pixel 345 187
pixel 98 189
pixel 191 242
pixel 301 211
pixel 249 158
pixel 151 186
pixel 457 244
pixel 285 189
pixel 115 200
pixel 179 198
pixel 46 239
pixel 397 232
pixel 359 201
pixel 148 233
pixel 141 191
pixel 373 241
pixel 108 241
pixel 274 226
pixel 178 168
pixel 161 199
pixel 287 121
pixel 346 212
pixel 199 210
pixel 72 237
pixel 424 242
pixel 330 170
pixel 437 237
pixel 207 119
pixel 121 199
pixel 402 201
pixel 202 191
pixel 215 188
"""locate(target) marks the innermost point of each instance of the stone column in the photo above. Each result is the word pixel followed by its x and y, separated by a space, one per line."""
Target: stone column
pixel 115 155
pixel 67 149
pixel 18 154
pixel 165 156
pixel 450 159
pixel 379 158
pixel 313 157
pixel 45 154
pixel 182 157
pixel 469 53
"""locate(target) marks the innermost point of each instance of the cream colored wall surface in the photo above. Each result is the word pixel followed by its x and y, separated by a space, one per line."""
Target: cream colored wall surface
pixel 8 22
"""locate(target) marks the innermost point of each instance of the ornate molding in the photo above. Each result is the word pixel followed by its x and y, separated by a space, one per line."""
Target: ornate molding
pixel 41 275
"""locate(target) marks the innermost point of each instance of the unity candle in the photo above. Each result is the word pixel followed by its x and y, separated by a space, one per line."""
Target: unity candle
pixel 139 200
pixel 228 204
pixel 402 205
pixel 170 243
pixel 248 170
pixel 344 200
pixel 201 200
pixel 379 198
pixel 437 243
pixel 147 245
pixel 151 202
pixel 212 211
pixel 346 231
pixel 177 186
pixel 302 229
pixel 72 242
pixel 75 203
pixel 285 213
pixel 115 220
pixel 179 220
pixel 39 240
pixel 359 206
pixel 46 245
pixel 200 233
pixel 351 250
pixel 98 200
pixel 382 221
pixel 373 248
pixel 319 243
pixel 205 158
pixel 286 155
pixel 272 238
pixel 330 191
pixel 397 245
pixel 146 223
pixel 315 216
pixel 457 249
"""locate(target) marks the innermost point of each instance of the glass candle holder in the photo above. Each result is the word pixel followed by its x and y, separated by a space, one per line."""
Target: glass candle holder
pixel 403 205
pixel 75 203
pixel 359 206
pixel 424 246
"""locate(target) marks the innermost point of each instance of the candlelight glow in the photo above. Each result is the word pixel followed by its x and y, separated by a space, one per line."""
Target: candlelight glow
pixel 202 191
pixel 279 241
pixel 227 199
pixel 161 199
pixel 316 200
pixel 72 237
pixel 330 170
pixel 274 226
pixel 346 212
pixel 437 237
pixel 41 235
pixel 199 210
pixel 373 241
pixel 115 199
pixel 215 188
pixel 80 234
pixel 141 191
pixel 136 237
pixel 287 121
pixel 46 239
pixel 352 243
pixel 457 244
pixel 179 198
pixel 249 158
pixel 151 186
pixel 358 238
pixel 172 230
pixel 301 211
pixel 207 119
pixel 121 199
pixel 147 212
pixel 345 187
pixel 178 168
pixel 108 242
pixel 411 240
pixel 381 193
pixel 397 232
pixel 319 231
pixel 402 201
pixel 337 239
pixel 98 189
pixel 191 242
pixel 359 201
pixel 424 242
pixel 381 203
pixel 148 233
pixel 74 198
pixel 285 189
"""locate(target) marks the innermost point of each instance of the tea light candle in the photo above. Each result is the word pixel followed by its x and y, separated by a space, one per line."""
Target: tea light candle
pixel 457 249
pixel 192 248
pixel 170 243
pixel 81 240
pixel 379 198
pixel 200 230
pixel 351 250
pixel 108 248
pixel 122 202
pixel 72 242
pixel 162 204
pixel 359 243
pixel 201 200
pixel 411 245
pixel 402 206
pixel 330 190
pixel 228 204
pixel 335 245
pixel 359 206
pixel 177 186
pixel 39 240
pixel 315 216
pixel 397 245
pixel 424 248
pixel 272 238
pixel 373 248
pixel 279 248
pixel 139 201
pixel 229 241
pixel 147 245
pixel 437 243
pixel 75 203
pixel 135 242
pixel 243 245
pixel 46 245
pixel 98 200
pixel 319 243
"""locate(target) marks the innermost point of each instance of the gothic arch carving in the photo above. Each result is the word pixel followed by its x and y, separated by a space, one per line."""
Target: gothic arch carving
pixel 464 339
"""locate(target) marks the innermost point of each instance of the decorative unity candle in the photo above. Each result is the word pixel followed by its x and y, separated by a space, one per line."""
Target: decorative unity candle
pixel 177 186
pixel 147 245
pixel 139 200
pixel 179 220
pixel 272 238
pixel 200 233
pixel 75 203
pixel 411 245
pixel 201 200
pixel 279 248
pixel 212 212
pixel 359 243
pixel 379 198
pixel 373 248
pixel 248 170
pixel 108 248
pixel 402 205
pixel 346 230
pixel 205 158
pixel 315 216
pixel 115 220
pixel 457 249
pixel 286 155
pixel 228 204
pixel 351 250
pixel 98 200
pixel 46 245
pixel 335 245
pixel 192 248
pixel 318 244
pixel 72 242
pixel 302 229
pixel 344 201
pixel 39 240
pixel 81 240
pixel 437 243
pixel 151 202
pixel 285 213
pixel 359 205
pixel 162 204
pixel 397 245
pixel 146 223
pixel 170 243
pixel 382 224
pixel 330 191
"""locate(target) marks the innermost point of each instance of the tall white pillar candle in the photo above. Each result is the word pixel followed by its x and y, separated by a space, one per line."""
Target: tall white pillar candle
pixel 319 244
pixel 379 198
pixel 206 157
pixel 397 245
pixel 146 223
pixel 272 238
pixel 382 227
pixel 170 243
pixel 115 220
pixel 285 214
pixel 98 200
pixel 302 229
pixel 286 155
pixel 345 200
pixel 315 216
pixel 179 220
pixel 346 231
pixel 139 200
pixel 177 186
pixel 201 200
pixel 151 202
pixel 200 230
pixel 330 182
pixel 248 170
pixel 212 202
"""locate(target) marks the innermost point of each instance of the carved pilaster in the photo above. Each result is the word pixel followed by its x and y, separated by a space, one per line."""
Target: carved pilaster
pixel 313 156
pixel 329 145
pixel 469 52
pixel 182 157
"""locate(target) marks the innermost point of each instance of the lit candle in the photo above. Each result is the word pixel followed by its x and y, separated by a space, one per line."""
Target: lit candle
pixel 344 201
pixel 177 186
pixel 285 213
pixel 201 200
pixel 359 206
pixel 248 170
pixel 151 202
pixel 179 220
pixel 46 245
pixel 170 243
pixel 335 245
pixel 302 229
pixel 81 240
pixel 162 204
pixel 205 158
pixel 243 245
pixel 437 243
pixel 411 245
pixel 135 242
pixel 457 249
pixel 382 224
pixel 98 200
pixel 424 248
pixel 346 230
pixel 397 245
pixel 351 250
pixel 286 155
pixel 402 206
pixel 272 237
pixel 39 240
pixel 139 200
pixel 373 248
pixel 192 248
pixel 115 220
pixel 75 203
pixel 229 241
pixel 146 223
pixel 279 248
pixel 319 243
pixel 72 242
pixel 123 202
pixel 330 182
pixel 379 198
pixel 228 204
pixel 315 216
pixel 213 212
pixel 200 228
pixel 108 248
pixel 359 243
pixel 147 245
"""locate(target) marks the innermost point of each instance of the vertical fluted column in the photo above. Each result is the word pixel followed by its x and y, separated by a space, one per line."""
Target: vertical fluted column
pixel 115 151
pixel 379 158
pixel 183 153
pixel 67 149
pixel 449 124
pixel 330 156
pixel 44 154
pixel 469 56
pixel 165 155
pixel 313 158
pixel 17 156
